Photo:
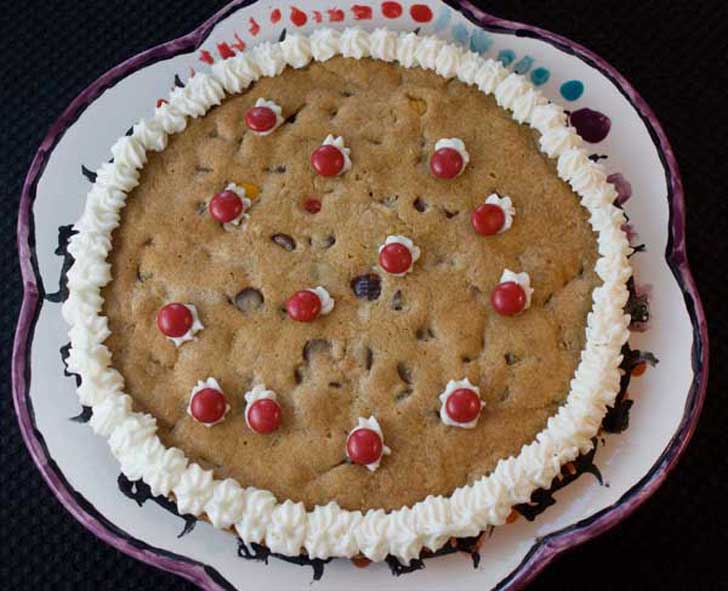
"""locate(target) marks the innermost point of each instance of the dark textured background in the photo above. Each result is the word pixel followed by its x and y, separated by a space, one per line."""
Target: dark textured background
pixel 675 55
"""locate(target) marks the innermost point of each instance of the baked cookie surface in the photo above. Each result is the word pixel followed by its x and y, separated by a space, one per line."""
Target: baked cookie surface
pixel 390 353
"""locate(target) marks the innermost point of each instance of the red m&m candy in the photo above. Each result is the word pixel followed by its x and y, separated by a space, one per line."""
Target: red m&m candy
pixel 304 306
pixel 312 205
pixel 263 416
pixel 364 446
pixel 487 219
pixel 395 258
pixel 508 298
pixel 226 206
pixel 174 320
pixel 446 163
pixel 328 160
pixel 261 119
pixel 463 405
pixel 208 405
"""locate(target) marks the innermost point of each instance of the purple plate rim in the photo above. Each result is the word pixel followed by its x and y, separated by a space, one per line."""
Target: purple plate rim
pixel 545 549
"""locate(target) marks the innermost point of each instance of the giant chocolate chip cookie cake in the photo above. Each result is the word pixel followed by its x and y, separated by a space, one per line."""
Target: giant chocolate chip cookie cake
pixel 367 301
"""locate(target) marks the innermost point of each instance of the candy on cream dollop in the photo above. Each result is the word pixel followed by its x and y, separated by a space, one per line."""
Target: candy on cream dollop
pixel 409 245
pixel 196 327
pixel 372 425
pixel 240 192
pixel 506 205
pixel 452 387
pixel 212 384
pixel 522 279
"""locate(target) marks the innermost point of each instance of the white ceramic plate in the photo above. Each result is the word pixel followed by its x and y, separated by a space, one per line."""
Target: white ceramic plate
pixel 667 398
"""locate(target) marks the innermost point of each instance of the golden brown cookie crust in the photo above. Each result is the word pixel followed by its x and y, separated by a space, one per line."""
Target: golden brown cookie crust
pixel 366 357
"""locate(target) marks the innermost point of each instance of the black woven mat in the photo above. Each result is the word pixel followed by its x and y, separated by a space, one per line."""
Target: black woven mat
pixel 673 52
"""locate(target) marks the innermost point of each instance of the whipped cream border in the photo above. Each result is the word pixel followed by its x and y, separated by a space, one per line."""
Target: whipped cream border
pixel 329 530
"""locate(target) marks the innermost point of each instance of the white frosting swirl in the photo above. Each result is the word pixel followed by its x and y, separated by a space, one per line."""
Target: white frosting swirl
pixel 324 44
pixel 327 302
pixel 489 75
pixel 407 45
pixel 206 89
pixel 194 489
pixel 547 116
pixel 225 506
pixel 151 135
pixel 447 61
pixel 296 50
pixel 468 67
pixel 129 151
pixel 164 472
pixel 371 535
pixel 383 45
pixel 555 141
pixel 332 531
pixel 329 532
pixel 434 517
pixel 169 118
pixel 257 515
pixel 109 414
pixel 236 73
pixel 354 43
pixel 119 176
pixel 269 59
pixel 427 52
pixel 287 529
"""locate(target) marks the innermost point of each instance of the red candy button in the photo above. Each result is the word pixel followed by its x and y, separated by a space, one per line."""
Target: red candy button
pixel 364 446
pixel 488 219
pixel 327 160
pixel 395 258
pixel 463 405
pixel 260 119
pixel 226 206
pixel 264 415
pixel 312 205
pixel 174 320
pixel 304 306
pixel 208 405
pixel 446 163
pixel 508 298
